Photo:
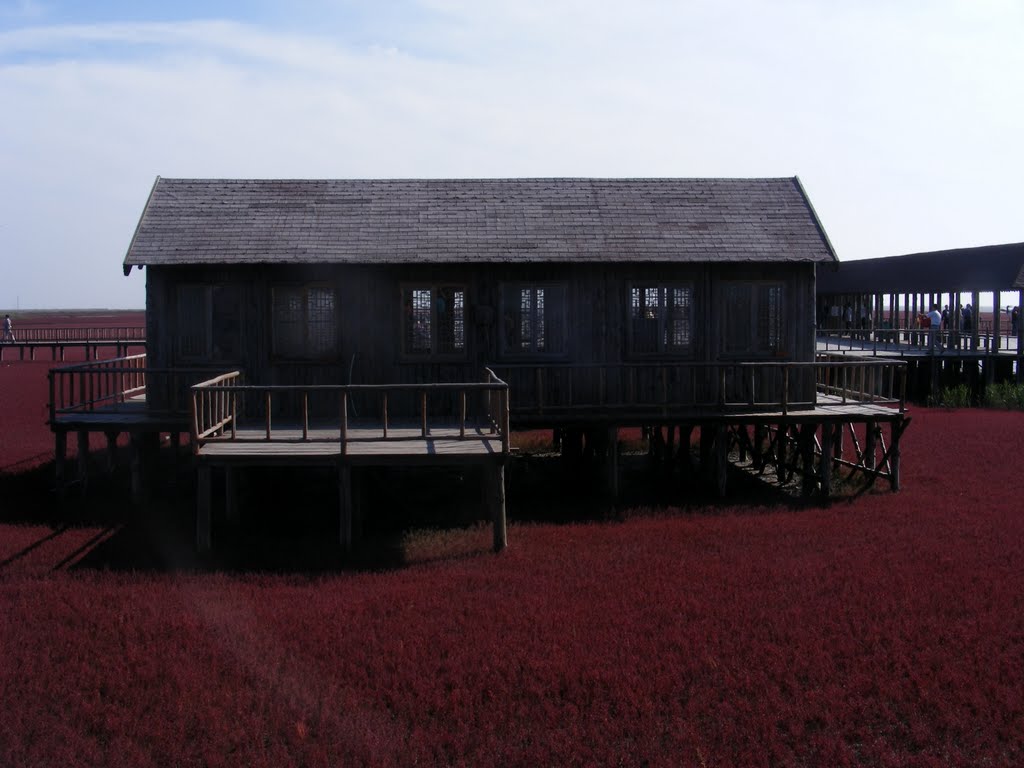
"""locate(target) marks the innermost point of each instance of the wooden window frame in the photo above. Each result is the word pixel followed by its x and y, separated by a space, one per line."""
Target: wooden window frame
pixel 760 343
pixel 433 325
pixel 664 350
pixel 305 354
pixel 555 288
pixel 208 333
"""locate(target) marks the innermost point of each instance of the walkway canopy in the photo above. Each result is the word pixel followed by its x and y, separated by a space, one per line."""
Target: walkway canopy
pixel 893 291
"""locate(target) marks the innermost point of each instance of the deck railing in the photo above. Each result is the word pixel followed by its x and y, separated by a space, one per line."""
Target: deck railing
pixel 111 384
pixel 573 391
pixel 222 404
pixel 56 335
pixel 917 340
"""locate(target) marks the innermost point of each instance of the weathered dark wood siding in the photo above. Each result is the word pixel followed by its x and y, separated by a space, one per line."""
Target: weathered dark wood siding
pixel 369 321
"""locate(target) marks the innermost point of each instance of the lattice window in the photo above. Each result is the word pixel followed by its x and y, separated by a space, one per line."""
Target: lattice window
pixel 209 324
pixel 753 318
pixel 661 319
pixel 434 320
pixel 533 319
pixel 304 322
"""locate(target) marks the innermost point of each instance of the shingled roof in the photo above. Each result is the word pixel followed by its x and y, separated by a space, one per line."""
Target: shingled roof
pixel 238 221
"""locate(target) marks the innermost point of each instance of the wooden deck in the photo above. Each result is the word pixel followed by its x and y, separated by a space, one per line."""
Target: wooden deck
pixel 404 446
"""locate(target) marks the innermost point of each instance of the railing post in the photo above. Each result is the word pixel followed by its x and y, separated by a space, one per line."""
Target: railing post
pixel 384 411
pixel 504 420
pixel 423 411
pixel 305 414
pixel 785 390
pixel 52 404
pixel 462 413
pixel 343 429
pixel 234 415
pixel 267 419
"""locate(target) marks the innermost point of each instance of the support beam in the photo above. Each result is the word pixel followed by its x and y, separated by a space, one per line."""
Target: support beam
pixel 204 538
pixel 83 458
pixel 111 451
pixel 231 495
pixel 60 460
pixel 825 462
pixel 496 496
pixel 721 458
pixel 345 508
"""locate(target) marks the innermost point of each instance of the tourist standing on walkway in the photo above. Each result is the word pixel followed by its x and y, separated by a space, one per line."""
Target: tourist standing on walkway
pixel 8 329
pixel 935 326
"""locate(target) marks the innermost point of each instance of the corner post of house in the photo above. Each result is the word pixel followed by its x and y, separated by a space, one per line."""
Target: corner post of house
pixel 204 539
pixel 496 498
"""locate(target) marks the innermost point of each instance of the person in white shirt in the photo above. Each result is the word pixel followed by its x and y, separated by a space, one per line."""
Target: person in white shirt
pixel 935 323
pixel 8 329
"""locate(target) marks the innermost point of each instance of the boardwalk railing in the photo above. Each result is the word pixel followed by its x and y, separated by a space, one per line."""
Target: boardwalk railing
pixel 663 390
pixel 222 404
pixel 110 385
pixel 862 380
pixel 917 340
pixel 56 335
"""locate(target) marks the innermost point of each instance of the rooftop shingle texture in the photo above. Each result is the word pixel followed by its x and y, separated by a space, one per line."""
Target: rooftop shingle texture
pixel 205 221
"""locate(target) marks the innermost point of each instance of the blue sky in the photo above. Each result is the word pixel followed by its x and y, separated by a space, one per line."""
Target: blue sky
pixel 902 119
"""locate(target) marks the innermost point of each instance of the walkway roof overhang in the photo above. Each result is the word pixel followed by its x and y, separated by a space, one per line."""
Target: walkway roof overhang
pixel 985 268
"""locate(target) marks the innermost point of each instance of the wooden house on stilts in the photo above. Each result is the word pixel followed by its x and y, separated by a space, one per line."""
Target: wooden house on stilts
pixel 361 322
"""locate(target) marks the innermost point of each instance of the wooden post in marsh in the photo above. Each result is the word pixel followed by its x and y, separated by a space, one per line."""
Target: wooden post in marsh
pixel 896 430
pixel 203 522
pixel 825 462
pixel 60 458
pixel 83 458
pixel 612 464
pixel 806 437
pixel 111 451
pixel 869 444
pixel 345 508
pixel 721 458
pixel 135 441
pixel 231 494
pixel 495 481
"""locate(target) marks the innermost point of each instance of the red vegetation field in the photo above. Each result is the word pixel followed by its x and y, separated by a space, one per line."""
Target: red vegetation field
pixel 884 630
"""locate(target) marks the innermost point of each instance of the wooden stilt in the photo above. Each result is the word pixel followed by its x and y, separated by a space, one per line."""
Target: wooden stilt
pixel 869 445
pixel 825 462
pixel 138 484
pixel 497 499
pixel 231 494
pixel 203 517
pixel 111 452
pixel 894 457
pixel 345 508
pixel 721 458
pixel 60 459
pixel 83 458
pixel 806 443
pixel 612 464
